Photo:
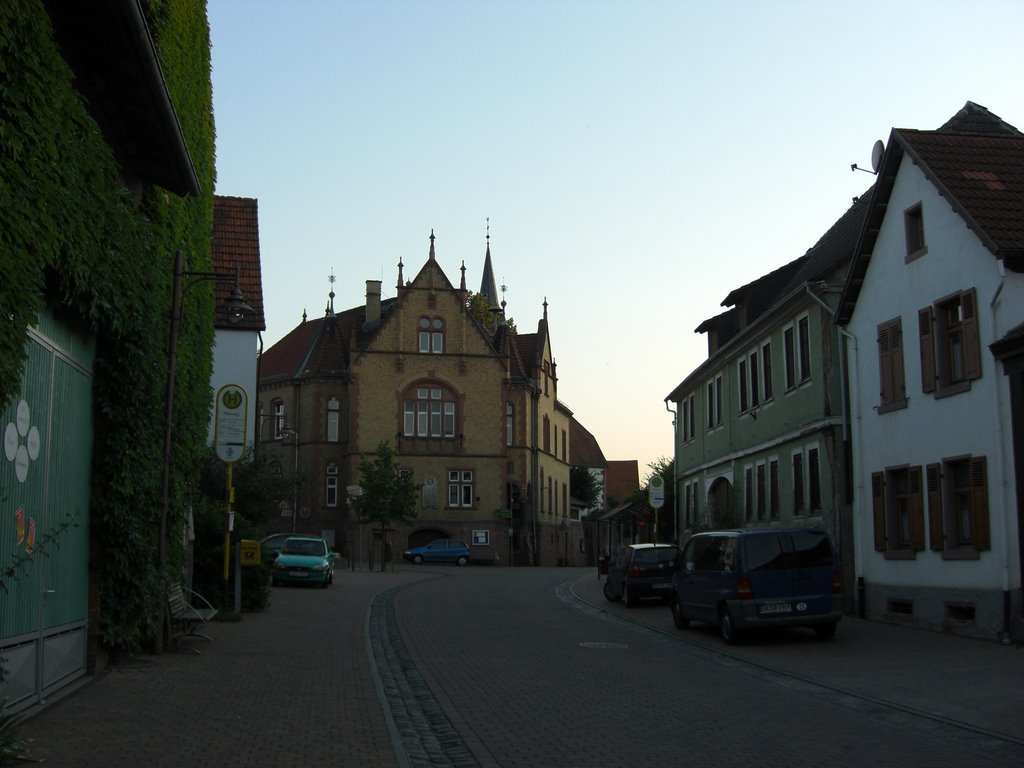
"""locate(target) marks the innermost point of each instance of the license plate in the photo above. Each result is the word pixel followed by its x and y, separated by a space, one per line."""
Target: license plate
pixel 776 608
pixel 297 574
pixel 663 585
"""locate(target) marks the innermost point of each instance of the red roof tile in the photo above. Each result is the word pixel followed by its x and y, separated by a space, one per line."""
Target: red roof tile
pixel 236 246
pixel 621 478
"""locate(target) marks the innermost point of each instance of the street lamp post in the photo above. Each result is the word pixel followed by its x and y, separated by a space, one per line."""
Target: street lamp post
pixel 295 472
pixel 237 308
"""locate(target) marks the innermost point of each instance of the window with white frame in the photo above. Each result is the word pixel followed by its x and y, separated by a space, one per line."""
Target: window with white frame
pixel 741 378
pixel 331 486
pixel 748 493
pixel 277 419
pixel 804 348
pixel 429 411
pixel 813 481
pixel 798 484
pixel 431 335
pixel 714 388
pixel 766 370
pixel 460 488
pixel 773 489
pixel 333 418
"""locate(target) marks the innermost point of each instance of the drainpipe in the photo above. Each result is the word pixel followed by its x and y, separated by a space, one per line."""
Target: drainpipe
pixel 675 472
pixel 1004 462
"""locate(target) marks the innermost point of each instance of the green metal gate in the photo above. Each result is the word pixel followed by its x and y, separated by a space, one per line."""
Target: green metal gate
pixel 44 515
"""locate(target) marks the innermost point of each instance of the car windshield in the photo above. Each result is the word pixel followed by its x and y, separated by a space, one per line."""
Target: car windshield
pixel 304 547
pixel 655 555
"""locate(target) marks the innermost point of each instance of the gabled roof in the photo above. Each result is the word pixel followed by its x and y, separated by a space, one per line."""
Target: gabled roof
pixel 621 478
pixel 236 246
pixel 584 450
pixel 980 174
pixel 320 347
pixel 831 252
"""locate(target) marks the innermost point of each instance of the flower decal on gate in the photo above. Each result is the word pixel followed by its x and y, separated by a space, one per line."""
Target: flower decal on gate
pixel 21 441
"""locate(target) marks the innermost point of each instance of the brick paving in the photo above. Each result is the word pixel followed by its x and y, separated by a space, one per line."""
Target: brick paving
pixel 466 667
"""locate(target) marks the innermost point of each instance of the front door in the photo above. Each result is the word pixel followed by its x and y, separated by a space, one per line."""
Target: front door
pixel 44 515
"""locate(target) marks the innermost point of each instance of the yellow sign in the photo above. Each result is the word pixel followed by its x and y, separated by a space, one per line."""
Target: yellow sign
pixel 249 551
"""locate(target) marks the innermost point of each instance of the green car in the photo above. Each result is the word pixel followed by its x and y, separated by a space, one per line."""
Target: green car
pixel 304 560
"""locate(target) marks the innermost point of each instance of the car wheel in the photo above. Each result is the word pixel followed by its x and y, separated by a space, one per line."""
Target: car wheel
pixel 726 627
pixel 324 585
pixel 462 560
pixel 628 599
pixel 610 596
pixel 678 619
pixel 417 559
pixel 825 631
pixel 273 582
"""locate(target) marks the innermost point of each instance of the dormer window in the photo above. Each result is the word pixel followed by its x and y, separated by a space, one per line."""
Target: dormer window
pixel 913 220
pixel 431 335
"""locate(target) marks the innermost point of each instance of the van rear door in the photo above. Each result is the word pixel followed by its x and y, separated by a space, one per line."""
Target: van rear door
pixel 766 563
pixel 812 564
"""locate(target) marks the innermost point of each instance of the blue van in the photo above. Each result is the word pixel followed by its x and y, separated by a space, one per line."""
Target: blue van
pixel 758 578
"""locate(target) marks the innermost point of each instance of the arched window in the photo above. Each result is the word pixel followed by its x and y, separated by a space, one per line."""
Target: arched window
pixel 276 419
pixel 428 410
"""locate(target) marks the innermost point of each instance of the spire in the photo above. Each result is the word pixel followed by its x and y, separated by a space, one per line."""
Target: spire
pixel 399 272
pixel 545 309
pixel 432 257
pixel 330 296
pixel 462 286
pixel 488 289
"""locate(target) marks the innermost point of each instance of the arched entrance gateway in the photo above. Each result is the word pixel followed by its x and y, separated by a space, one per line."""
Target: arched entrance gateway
pixel 721 504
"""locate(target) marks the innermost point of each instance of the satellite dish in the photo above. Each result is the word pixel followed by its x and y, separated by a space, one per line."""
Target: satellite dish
pixel 876 155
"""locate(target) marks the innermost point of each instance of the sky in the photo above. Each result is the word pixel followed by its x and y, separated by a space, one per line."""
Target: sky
pixel 633 162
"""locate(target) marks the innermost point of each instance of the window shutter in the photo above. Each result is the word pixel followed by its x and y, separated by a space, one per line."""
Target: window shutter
pixel 979 503
pixel 924 323
pixel 878 509
pixel 884 364
pixel 899 385
pixel 936 534
pixel 972 344
pixel 916 502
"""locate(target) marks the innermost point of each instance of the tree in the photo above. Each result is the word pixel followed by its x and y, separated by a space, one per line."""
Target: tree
pixel 485 316
pixel 584 486
pixel 388 493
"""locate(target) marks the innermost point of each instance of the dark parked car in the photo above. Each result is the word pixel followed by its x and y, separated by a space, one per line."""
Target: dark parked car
pixel 758 577
pixel 641 570
pixel 439 551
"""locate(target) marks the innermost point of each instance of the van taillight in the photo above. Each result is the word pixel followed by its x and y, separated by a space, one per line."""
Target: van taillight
pixel 837 583
pixel 634 572
pixel 743 589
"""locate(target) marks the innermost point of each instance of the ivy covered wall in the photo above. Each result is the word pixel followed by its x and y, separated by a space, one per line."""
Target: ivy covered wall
pixel 73 237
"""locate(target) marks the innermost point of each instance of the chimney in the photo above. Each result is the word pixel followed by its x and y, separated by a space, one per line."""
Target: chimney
pixel 372 301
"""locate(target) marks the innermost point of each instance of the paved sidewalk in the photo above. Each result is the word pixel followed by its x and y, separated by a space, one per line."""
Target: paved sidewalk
pixel 967 682
pixel 289 686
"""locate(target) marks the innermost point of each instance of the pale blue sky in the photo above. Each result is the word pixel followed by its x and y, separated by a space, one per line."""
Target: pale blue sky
pixel 637 160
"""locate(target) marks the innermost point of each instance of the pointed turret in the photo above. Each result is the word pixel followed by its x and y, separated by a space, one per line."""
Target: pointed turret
pixel 488 288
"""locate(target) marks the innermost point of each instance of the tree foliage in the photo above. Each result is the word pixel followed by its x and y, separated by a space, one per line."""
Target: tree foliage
pixel 584 486
pixel 388 494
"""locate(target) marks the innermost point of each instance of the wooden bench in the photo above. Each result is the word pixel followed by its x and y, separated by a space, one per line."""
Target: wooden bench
pixel 186 616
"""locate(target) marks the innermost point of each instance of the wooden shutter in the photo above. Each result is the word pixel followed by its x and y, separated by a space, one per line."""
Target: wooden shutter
pixel 899 386
pixel 878 509
pixel 924 324
pixel 972 343
pixel 916 504
pixel 979 503
pixel 936 534
pixel 885 364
